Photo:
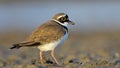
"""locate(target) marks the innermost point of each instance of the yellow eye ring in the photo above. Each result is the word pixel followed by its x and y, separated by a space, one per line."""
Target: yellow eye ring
pixel 63 19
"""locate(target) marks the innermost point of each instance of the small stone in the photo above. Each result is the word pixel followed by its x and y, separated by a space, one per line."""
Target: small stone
pixel 33 62
pixel 117 62
pixel 117 55
pixel 102 62
pixel 75 61
pixel 49 62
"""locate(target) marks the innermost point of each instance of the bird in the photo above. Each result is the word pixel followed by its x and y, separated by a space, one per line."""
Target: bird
pixel 48 36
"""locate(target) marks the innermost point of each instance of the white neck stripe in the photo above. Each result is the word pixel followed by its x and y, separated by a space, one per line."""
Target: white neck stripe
pixel 63 24
pixel 57 21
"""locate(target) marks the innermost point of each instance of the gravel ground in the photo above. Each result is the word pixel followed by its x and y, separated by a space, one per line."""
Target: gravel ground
pixel 81 50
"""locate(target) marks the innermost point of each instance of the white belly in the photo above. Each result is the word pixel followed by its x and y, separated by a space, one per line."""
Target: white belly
pixel 53 45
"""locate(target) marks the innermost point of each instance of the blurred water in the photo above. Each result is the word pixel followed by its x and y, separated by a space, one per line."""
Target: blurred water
pixel 87 15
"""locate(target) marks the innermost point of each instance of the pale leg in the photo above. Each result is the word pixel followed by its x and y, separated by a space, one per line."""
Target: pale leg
pixel 52 54
pixel 41 59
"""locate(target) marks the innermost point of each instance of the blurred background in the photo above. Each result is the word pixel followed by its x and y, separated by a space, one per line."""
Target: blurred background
pixel 87 14
pixel 97 29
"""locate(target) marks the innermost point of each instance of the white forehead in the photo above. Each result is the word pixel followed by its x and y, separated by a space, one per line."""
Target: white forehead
pixel 61 16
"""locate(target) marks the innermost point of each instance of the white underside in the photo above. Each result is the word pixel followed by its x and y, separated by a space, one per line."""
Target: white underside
pixel 54 44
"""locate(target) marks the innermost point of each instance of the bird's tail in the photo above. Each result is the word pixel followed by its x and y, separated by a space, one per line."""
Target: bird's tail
pixel 25 44
pixel 15 46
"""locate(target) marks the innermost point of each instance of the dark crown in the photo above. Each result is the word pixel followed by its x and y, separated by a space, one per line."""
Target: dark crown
pixel 61 17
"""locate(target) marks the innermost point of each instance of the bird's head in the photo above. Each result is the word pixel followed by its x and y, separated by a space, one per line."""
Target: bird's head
pixel 62 19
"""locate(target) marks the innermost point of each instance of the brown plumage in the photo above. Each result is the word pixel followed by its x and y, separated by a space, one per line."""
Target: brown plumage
pixel 48 36
pixel 48 32
pixel 25 44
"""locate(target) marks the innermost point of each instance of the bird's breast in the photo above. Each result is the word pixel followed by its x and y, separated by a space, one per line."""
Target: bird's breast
pixel 54 44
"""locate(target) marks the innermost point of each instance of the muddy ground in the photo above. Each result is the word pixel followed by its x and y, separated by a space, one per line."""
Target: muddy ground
pixel 81 50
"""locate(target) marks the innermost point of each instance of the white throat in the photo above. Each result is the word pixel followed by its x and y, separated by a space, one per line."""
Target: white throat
pixel 64 24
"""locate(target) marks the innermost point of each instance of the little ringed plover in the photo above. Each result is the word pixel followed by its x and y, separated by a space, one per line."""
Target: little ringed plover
pixel 48 36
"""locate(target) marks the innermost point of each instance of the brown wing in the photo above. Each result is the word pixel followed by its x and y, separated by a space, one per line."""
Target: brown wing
pixel 47 32
pixel 25 44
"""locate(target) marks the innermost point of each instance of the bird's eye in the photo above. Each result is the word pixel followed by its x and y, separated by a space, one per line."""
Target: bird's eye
pixel 63 19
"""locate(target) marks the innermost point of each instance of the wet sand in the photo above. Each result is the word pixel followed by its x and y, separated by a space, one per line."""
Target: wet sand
pixel 81 50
